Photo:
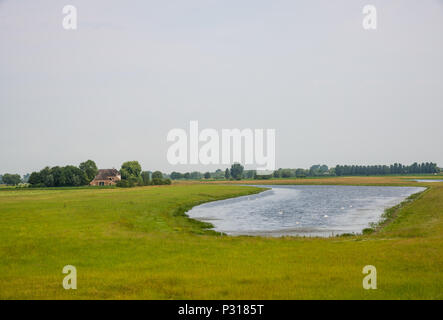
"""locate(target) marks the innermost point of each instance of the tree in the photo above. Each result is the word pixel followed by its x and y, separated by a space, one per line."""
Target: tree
pixel 90 169
pixel 145 178
pixel 35 179
pixel 157 175
pixel 59 177
pixel 11 179
pixel 319 170
pixel 219 174
pixel 250 174
pixel 130 172
pixel 187 176
pixel 49 180
pixel 157 178
pixel 73 176
pixel 286 173
pixel 324 169
pixel 236 171
pixel 207 175
pixel 130 169
pixel 196 175
pixel 176 175
pixel 300 173
pixel 227 174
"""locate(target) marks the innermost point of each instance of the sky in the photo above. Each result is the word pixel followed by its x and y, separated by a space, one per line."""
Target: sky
pixel 133 70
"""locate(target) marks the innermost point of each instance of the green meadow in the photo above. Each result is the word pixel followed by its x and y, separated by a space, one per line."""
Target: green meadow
pixel 139 244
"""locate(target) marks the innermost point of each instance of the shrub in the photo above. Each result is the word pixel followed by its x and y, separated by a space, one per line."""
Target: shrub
pixel 123 184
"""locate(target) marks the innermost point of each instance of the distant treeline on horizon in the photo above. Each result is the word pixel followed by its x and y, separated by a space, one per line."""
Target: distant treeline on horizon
pixel 83 175
pixel 396 168
pixel 313 171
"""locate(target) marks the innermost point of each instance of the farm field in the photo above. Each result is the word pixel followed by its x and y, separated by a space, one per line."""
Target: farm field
pixel 138 244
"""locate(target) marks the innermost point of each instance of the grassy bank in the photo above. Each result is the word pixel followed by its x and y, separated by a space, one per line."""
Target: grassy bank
pixel 356 181
pixel 137 243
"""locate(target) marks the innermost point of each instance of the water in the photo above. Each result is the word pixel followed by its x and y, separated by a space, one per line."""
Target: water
pixel 302 210
pixel 428 180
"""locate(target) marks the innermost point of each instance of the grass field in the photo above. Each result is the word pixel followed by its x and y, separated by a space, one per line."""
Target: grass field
pixel 137 243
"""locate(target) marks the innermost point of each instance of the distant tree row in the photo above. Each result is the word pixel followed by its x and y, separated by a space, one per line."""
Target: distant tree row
pixel 67 176
pixel 71 176
pixel 237 172
pixel 397 168
pixel 132 175
pixel 14 179
pixel 10 179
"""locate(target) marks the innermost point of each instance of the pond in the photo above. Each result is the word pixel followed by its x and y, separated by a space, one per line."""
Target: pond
pixel 298 210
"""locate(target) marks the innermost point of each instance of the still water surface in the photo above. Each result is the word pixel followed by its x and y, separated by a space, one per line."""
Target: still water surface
pixel 302 210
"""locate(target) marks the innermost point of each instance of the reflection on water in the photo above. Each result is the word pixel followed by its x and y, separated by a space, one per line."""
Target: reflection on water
pixel 428 180
pixel 302 210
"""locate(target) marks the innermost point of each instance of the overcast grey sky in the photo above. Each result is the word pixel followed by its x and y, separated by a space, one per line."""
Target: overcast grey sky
pixel 111 90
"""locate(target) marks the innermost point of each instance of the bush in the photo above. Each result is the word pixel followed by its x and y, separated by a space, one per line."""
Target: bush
pixel 158 182
pixel 123 184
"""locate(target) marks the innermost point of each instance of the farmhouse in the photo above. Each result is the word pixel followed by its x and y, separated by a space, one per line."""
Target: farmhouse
pixel 106 177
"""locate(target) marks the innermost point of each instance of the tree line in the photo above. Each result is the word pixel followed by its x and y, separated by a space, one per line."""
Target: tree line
pixel 10 179
pixel 67 176
pixel 72 176
pixel 132 174
pixel 237 172
pixel 396 168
